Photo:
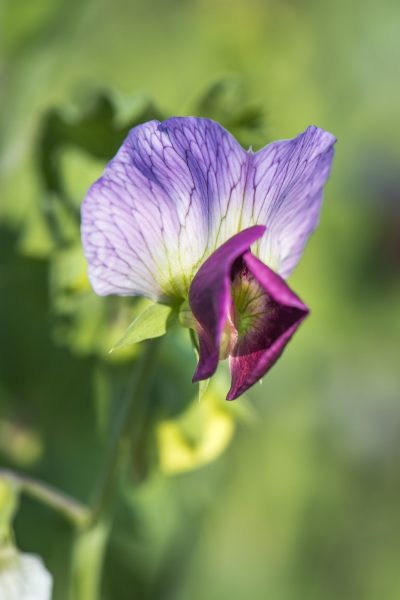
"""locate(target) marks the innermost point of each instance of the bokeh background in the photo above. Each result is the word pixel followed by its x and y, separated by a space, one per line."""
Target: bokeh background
pixel 293 492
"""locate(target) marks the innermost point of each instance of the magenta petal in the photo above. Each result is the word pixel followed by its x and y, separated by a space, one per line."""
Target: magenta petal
pixel 210 297
pixel 258 349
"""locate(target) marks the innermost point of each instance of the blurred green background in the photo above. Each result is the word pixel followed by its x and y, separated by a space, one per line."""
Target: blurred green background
pixel 304 501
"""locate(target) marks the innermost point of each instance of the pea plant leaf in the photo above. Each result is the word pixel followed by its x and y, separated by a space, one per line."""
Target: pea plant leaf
pixel 153 322
pixel 95 125
pixel 227 102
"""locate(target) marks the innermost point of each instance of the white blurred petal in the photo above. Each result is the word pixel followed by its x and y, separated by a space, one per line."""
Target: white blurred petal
pixel 23 577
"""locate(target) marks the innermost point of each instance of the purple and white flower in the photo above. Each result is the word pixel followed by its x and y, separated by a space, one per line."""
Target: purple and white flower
pixel 184 213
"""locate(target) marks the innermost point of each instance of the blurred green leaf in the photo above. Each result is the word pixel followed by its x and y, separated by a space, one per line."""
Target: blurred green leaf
pixel 154 322
pixel 94 126
pixel 83 321
pixel 98 124
pixel 226 101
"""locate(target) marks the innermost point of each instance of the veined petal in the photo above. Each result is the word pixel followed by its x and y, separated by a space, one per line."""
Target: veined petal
pixel 210 297
pixel 284 191
pixel 162 206
pixel 177 190
pixel 268 314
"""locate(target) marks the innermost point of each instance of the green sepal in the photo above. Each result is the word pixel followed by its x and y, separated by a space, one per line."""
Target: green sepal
pixel 186 317
pixel 153 322
pixel 203 385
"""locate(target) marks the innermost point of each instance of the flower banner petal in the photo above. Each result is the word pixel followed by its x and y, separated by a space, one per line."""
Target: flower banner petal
pixel 284 191
pixel 162 205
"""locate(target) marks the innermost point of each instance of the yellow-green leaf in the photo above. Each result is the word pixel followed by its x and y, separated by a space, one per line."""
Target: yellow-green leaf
pixel 151 323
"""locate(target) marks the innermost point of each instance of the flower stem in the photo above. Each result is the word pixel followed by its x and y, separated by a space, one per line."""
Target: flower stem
pixel 71 509
pixel 91 543
pixel 88 553
pixel 133 406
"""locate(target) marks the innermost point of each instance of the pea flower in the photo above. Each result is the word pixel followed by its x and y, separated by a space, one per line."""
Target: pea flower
pixel 184 215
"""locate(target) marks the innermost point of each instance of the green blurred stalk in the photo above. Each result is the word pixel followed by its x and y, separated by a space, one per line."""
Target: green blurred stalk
pixel 131 415
pixel 87 562
pixel 79 514
pixel 91 543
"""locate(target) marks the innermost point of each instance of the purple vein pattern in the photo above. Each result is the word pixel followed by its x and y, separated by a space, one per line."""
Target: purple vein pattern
pixel 179 189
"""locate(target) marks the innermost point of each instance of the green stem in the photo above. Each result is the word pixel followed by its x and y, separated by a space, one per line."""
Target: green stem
pixel 132 407
pixel 71 509
pixel 88 553
pixel 91 544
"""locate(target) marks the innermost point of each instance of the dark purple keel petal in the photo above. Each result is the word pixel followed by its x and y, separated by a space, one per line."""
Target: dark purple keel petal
pixel 210 297
pixel 271 315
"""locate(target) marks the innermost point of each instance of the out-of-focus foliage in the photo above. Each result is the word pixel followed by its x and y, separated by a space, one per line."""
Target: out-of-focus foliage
pixel 303 503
